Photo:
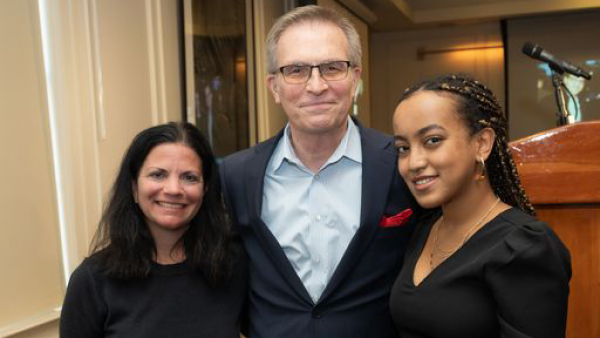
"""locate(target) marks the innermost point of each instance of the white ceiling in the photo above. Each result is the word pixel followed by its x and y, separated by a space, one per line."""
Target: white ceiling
pixel 392 15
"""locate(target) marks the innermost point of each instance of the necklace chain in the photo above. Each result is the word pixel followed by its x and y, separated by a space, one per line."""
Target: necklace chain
pixel 447 253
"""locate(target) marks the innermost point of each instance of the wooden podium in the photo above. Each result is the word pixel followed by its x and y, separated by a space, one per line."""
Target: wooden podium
pixel 560 170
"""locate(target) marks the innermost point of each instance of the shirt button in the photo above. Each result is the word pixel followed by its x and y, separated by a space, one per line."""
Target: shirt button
pixel 318 218
pixel 317 176
pixel 317 259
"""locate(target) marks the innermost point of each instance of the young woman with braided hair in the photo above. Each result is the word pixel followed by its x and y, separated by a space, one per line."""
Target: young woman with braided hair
pixel 479 264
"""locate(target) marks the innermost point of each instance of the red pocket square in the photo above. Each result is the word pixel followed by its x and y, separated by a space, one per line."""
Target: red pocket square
pixel 397 220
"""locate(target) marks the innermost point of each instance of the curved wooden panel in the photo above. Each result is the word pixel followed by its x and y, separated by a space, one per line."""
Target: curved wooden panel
pixel 561 165
pixel 560 171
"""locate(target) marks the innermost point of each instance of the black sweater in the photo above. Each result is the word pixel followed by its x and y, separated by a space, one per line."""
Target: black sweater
pixel 510 279
pixel 173 301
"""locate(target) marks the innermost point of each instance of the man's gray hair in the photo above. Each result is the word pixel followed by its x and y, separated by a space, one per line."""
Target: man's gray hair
pixel 312 13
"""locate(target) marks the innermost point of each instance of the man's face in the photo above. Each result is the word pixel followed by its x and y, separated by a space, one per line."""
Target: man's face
pixel 317 106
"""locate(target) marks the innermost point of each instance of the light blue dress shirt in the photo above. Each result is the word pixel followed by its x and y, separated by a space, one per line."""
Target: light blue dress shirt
pixel 314 216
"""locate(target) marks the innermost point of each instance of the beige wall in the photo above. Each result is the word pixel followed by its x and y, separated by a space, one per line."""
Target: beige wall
pixel 395 66
pixel 31 282
pixel 113 69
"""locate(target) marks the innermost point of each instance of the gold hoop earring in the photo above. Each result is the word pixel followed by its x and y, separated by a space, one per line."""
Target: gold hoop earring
pixel 481 176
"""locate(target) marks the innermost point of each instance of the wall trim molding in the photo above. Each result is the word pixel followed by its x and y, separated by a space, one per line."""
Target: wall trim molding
pixel 75 98
pixel 188 36
pixel 262 95
pixel 156 61
pixel 96 96
pixel 96 82
pixel 30 322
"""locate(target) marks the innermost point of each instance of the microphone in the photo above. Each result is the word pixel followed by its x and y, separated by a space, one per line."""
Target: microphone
pixel 538 53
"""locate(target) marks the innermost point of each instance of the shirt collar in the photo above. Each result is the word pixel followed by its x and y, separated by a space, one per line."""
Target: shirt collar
pixel 349 147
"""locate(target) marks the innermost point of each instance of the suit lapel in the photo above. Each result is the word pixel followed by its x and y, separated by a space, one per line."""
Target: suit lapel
pixel 378 166
pixel 254 185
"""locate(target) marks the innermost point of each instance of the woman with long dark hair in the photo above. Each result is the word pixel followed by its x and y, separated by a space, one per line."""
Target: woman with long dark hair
pixel 164 262
pixel 479 264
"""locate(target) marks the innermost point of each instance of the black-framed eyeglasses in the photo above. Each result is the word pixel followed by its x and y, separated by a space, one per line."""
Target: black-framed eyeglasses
pixel 329 71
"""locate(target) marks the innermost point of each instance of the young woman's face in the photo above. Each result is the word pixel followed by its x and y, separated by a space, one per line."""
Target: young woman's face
pixel 169 188
pixel 436 155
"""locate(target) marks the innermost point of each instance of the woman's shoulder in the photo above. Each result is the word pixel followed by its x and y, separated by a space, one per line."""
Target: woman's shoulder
pixel 517 217
pixel 88 278
pixel 522 229
pixel 90 267
pixel 521 237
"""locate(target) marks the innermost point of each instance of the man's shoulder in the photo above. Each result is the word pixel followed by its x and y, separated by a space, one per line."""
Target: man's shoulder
pixel 239 156
pixel 243 156
pixel 373 135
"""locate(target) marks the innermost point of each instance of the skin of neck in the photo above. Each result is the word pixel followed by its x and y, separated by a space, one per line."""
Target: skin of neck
pixel 469 206
pixel 314 150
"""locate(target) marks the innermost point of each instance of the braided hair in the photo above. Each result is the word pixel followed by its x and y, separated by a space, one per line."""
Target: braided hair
pixel 479 108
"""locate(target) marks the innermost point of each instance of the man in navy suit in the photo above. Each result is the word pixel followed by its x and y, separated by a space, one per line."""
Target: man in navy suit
pixel 314 204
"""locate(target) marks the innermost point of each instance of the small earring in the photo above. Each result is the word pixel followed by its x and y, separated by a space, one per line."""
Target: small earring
pixel 481 176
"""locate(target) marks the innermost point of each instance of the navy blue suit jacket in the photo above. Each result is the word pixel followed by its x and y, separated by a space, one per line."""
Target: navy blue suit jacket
pixel 355 302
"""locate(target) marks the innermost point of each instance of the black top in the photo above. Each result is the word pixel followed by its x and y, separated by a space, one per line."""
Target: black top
pixel 510 280
pixel 173 301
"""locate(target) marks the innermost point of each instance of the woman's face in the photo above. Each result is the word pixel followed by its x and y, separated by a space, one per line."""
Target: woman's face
pixel 170 187
pixel 436 155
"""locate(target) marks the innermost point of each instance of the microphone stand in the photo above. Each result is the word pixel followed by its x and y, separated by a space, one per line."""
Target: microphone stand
pixel 563 117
